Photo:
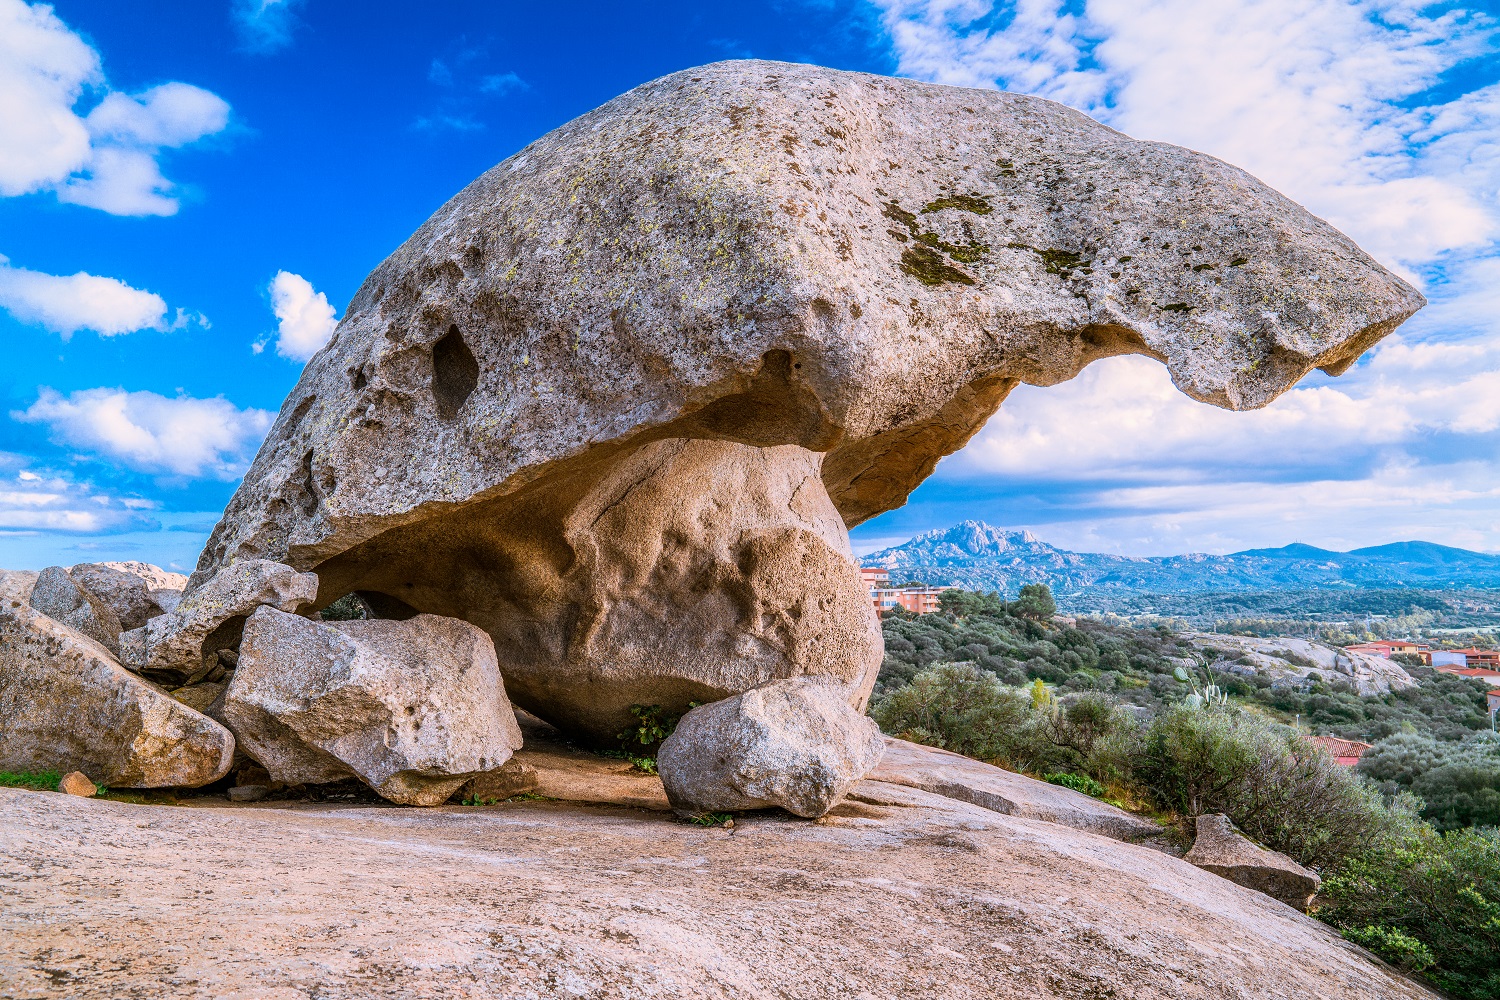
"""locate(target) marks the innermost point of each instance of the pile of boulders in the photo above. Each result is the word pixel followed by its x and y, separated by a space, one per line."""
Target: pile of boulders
pixel 127 684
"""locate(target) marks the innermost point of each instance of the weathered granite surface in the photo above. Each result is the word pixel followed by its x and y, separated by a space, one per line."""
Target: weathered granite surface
pixel 774 256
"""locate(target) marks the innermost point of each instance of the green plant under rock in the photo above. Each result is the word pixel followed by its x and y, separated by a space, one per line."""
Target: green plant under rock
pixel 1078 782
pixel 46 781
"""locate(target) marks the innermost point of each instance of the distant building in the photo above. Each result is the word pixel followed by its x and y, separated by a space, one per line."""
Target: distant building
pixel 1345 752
pixel 1480 657
pixel 1490 675
pixel 1447 658
pixel 1386 648
pixel 921 600
pixel 1493 697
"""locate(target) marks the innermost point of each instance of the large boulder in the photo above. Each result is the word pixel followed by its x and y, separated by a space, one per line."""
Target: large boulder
pixel 66 705
pixel 792 743
pixel 58 596
pixel 412 708
pixel 129 594
pixel 182 646
pixel 1223 850
pixel 844 271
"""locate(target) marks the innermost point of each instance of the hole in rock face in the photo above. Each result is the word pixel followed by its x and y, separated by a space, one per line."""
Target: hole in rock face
pixel 455 373
pixel 309 487
pixel 386 606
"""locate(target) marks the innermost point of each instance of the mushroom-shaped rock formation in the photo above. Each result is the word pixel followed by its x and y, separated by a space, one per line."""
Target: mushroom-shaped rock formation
pixel 617 402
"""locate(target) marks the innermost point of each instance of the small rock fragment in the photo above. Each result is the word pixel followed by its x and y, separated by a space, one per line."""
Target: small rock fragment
pixel 199 696
pixel 179 647
pixel 1223 850
pixel 67 705
pixel 77 783
pixel 16 586
pixel 513 778
pixel 412 708
pixel 248 793
pixel 793 743
pixel 58 596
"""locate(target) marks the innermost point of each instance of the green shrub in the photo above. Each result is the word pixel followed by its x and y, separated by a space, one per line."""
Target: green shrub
pixel 653 724
pixel 1441 890
pixel 1079 783
pixel 46 781
pixel 958 707
pixel 1458 782
pixel 1401 950
pixel 1277 786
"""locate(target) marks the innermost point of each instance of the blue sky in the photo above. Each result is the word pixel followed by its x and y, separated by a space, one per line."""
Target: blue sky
pixel 190 192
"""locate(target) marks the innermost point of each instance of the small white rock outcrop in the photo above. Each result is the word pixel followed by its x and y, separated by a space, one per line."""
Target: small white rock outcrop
pixel 793 743
pixel 413 708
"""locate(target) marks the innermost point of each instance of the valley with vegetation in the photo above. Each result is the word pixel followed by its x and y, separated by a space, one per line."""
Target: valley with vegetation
pixel 1179 724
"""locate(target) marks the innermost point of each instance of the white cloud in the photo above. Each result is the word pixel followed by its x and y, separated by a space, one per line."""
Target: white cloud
pixel 1440 504
pixel 1123 418
pixel 265 26
pixel 46 501
pixel 68 303
pixel 151 433
pixel 44 68
pixel 502 83
pixel 106 159
pixel 305 318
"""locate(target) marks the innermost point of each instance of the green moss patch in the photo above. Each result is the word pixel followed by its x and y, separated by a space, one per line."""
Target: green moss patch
pixel 930 267
pixel 976 203
pixel 926 261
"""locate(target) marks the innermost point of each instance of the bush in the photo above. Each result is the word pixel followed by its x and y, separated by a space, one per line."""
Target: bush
pixel 958 707
pixel 1401 950
pixel 963 708
pixel 1277 786
pixel 1459 782
pixel 1441 891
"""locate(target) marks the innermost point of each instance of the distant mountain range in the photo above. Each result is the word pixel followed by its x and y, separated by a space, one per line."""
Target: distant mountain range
pixel 978 556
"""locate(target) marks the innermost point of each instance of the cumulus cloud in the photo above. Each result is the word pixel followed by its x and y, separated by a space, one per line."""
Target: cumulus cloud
pixel 68 303
pixel 107 158
pixel 265 26
pixel 150 433
pixel 35 500
pixel 304 317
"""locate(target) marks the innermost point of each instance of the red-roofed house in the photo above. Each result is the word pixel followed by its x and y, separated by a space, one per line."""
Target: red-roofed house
pixel 1386 648
pixel 1490 675
pixel 1493 697
pixel 1345 752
